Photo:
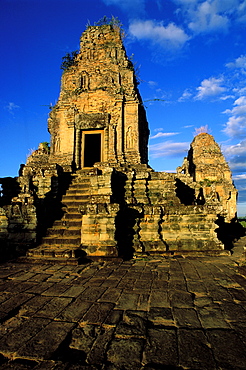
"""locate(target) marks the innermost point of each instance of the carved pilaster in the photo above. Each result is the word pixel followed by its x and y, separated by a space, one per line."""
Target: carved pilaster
pixel 78 147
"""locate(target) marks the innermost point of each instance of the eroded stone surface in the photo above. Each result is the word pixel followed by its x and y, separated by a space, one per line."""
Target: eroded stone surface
pixel 83 331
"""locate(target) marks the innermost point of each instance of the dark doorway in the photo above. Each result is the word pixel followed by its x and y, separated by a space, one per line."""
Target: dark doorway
pixel 92 149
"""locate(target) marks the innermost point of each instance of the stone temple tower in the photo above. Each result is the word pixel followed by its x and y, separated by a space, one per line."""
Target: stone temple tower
pixel 99 116
pixel 93 193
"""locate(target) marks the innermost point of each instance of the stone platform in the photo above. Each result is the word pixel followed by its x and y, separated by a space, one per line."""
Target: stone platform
pixel 147 313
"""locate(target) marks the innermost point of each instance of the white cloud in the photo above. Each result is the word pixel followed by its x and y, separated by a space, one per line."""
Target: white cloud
pixel 240 101
pixel 152 83
pixel 240 90
pixel 210 87
pixel 170 36
pixel 226 97
pixel 200 16
pixel 11 107
pixel 240 62
pixel 168 149
pixel 236 125
pixel 188 126
pixel 185 96
pixel 211 16
pixel 237 165
pixel 241 12
pixel 235 150
pixel 240 177
pixel 236 157
pixel 161 134
pixel 205 18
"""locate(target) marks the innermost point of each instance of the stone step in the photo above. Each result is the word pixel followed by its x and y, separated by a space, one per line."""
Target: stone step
pixel 68 223
pixel 62 241
pixel 75 198
pixel 56 231
pixel 80 185
pixel 72 232
pixel 72 192
pixel 55 254
pixel 72 216
pixel 72 204
pixel 44 251
pixel 64 237
pixel 48 249
pixel 74 208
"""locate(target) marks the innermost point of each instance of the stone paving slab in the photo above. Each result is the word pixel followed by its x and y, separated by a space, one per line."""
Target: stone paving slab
pixel 147 313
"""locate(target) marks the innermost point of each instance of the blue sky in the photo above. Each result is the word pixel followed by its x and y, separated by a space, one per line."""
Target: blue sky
pixel 190 56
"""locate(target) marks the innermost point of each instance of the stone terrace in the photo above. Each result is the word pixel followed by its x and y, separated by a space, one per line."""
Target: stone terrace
pixel 147 313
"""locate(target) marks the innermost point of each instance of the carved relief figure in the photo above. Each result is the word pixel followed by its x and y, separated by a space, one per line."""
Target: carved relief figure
pixel 84 81
pixel 56 144
pixel 129 138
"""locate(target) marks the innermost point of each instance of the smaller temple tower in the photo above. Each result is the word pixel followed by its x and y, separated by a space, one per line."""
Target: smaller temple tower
pixel 212 175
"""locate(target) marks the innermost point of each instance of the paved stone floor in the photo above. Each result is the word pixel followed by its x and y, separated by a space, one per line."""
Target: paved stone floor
pixel 147 313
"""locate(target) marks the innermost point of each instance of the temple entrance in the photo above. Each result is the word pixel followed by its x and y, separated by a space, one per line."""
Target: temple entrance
pixel 91 148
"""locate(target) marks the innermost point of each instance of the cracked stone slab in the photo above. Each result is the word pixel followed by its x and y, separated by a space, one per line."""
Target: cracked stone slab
pixel 212 318
pixel 181 299
pixel 11 343
pixel 111 295
pixel 97 313
pixel 126 353
pixel 159 299
pixel 74 311
pixel 161 316
pixel 43 345
pixel 228 349
pixel 195 350
pixel 133 325
pixel 98 351
pixel 127 301
pixel 161 347
pixel 186 317
pixel 53 307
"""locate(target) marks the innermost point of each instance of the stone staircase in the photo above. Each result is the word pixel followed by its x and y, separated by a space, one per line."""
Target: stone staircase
pixel 62 240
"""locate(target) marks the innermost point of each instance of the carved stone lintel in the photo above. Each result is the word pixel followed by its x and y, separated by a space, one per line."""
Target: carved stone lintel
pixel 91 120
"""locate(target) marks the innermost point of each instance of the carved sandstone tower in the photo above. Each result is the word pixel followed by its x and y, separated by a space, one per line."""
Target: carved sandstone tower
pixel 212 175
pixel 94 194
pixel 99 116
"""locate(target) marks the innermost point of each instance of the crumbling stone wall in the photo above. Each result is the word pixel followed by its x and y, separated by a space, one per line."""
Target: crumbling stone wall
pixel 165 220
pixel 3 224
pixel 18 220
pixel 25 200
pixel 98 230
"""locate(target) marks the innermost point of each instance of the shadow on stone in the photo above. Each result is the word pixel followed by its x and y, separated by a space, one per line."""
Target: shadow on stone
pixel 10 189
pixel 185 193
pixel 124 222
pixel 50 208
pixel 125 219
pixel 228 232
pixel 70 355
